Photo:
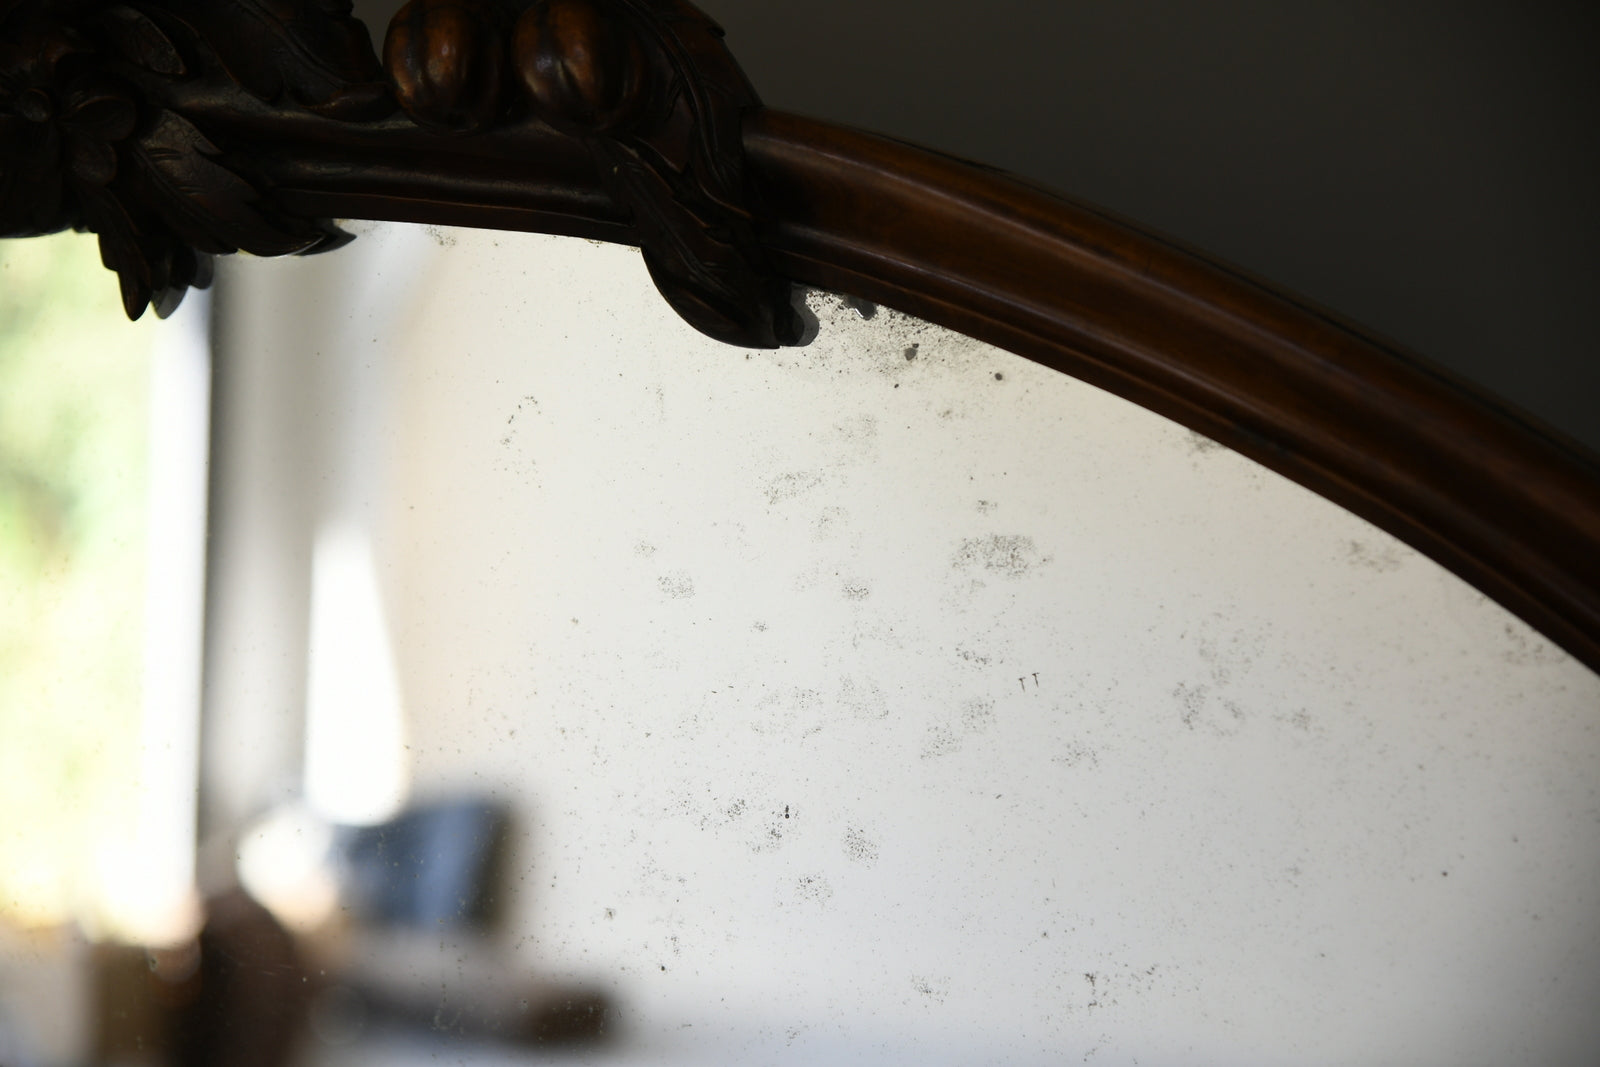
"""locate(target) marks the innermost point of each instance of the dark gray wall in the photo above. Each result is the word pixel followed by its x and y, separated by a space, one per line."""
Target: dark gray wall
pixel 1427 170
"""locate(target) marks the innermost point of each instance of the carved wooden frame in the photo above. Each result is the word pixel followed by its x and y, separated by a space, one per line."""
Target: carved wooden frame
pixel 180 129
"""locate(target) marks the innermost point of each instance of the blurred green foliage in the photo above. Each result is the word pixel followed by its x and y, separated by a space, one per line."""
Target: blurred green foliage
pixel 74 385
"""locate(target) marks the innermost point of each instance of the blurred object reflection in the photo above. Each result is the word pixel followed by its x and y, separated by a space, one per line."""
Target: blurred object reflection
pixel 244 1001
pixel 895 700
pixel 891 700
pixel 422 938
pixel 103 456
pixel 434 867
pixel 283 862
pixel 400 927
pixel 355 767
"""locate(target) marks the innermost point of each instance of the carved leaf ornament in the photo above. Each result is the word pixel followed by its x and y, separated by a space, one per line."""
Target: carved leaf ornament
pixel 98 130
pixel 653 94
pixel 85 141
pixel 167 126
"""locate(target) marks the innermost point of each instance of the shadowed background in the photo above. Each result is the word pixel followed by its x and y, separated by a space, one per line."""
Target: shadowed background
pixel 1426 170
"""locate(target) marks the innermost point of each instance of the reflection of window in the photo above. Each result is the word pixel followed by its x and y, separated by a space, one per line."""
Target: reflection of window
pixel 355 770
pixel 102 445
pixel 891 699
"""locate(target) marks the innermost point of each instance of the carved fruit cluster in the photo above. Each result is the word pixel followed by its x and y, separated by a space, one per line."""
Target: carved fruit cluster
pixel 649 89
pixel 446 59
pixel 581 63
pixel 583 71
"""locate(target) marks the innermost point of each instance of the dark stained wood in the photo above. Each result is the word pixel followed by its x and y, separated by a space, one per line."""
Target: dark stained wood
pixel 88 140
pixel 1504 503
pixel 652 92
pixel 446 60
pixel 99 105
pixel 626 120
pixel 649 91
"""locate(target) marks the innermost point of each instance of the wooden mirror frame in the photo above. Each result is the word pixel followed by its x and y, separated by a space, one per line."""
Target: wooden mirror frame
pixel 180 129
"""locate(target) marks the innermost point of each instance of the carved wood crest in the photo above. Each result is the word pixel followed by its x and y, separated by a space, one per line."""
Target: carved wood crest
pixel 109 121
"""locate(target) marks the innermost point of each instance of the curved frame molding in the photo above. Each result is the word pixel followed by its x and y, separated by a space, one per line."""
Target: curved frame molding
pixel 181 128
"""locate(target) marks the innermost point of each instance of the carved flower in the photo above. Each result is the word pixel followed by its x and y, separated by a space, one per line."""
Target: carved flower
pixel 60 124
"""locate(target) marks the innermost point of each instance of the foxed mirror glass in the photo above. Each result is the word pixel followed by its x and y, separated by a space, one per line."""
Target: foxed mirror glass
pixel 582 690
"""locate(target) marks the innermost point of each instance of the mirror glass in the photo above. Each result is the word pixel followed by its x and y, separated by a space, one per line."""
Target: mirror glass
pixel 103 431
pixel 581 690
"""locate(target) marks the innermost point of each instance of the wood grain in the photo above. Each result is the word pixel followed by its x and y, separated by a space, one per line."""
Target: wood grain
pixel 1504 503
pixel 249 147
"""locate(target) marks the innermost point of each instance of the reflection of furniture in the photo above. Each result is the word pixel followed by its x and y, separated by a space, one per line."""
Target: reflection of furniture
pixel 813 588
pixel 434 873
pixel 727 202
pixel 431 867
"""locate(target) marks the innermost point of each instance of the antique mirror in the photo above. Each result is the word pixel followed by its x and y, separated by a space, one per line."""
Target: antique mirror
pixel 687 583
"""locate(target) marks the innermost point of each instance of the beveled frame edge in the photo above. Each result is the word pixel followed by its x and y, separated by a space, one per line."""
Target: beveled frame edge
pixel 197 128
pixel 1506 504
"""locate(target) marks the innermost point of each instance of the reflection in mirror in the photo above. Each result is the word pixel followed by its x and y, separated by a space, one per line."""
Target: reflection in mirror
pixel 581 690
pixel 103 429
